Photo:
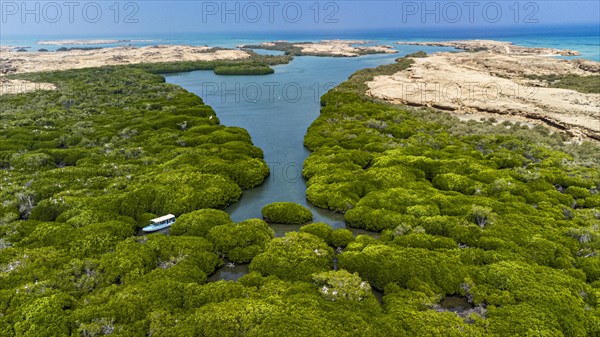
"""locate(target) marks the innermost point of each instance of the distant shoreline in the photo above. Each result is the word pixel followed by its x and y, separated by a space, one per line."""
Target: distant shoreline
pixel 485 61
pixel 90 42
pixel 492 46
pixel 15 62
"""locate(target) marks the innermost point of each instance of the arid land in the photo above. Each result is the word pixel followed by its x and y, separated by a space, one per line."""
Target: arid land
pixel 330 48
pixel 498 79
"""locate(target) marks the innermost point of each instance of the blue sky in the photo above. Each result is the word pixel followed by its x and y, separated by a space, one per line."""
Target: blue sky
pixel 137 18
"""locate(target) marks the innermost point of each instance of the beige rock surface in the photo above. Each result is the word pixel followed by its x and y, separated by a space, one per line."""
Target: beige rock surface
pixel 349 48
pixel 15 62
pixel 343 48
pixel 12 62
pixel 491 46
pixel 87 42
pixel 489 84
pixel 8 87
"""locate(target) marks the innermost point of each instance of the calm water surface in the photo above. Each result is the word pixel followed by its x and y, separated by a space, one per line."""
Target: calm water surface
pixel 276 110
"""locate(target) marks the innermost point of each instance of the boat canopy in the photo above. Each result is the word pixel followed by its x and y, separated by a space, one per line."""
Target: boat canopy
pixel 163 218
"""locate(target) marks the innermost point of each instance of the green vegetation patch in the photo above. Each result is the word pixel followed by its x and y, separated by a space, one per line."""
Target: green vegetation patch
pixel 286 213
pixel 255 65
pixel 585 84
pixel 244 70
pixel 338 238
pixel 242 241
pixel 294 257
pixel 200 222
pixel 502 214
pixel 342 285
pixel 118 141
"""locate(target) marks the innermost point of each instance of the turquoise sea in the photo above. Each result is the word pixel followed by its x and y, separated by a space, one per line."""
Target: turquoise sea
pixel 585 39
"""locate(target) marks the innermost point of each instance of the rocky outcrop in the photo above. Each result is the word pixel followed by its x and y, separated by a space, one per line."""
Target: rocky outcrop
pixel 498 47
pixel 484 83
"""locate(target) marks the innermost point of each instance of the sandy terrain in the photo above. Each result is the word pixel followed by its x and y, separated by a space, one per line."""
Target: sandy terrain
pixel 88 42
pixel 336 48
pixel 14 62
pixel 487 84
pixel 5 49
pixel 20 86
pixel 26 62
pixel 499 47
pixel 343 48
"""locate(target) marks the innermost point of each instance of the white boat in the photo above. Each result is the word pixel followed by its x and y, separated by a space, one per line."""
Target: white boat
pixel 160 223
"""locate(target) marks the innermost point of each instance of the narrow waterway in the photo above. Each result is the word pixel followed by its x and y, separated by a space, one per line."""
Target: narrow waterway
pixel 276 110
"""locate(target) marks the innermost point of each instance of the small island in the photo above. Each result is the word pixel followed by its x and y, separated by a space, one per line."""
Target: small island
pixel 90 42
pixel 332 48
pixel 499 47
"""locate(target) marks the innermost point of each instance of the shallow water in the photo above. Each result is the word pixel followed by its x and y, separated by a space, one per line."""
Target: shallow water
pixel 268 52
pixel 455 303
pixel 229 272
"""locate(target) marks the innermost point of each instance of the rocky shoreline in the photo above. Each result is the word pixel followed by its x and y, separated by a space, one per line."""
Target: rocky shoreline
pixel 331 48
pixel 89 42
pixel 13 62
pixel 491 46
pixel 28 62
pixel 497 83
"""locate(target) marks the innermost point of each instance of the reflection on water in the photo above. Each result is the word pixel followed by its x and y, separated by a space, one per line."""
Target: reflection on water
pixel 229 271
pixel 164 231
pixel 281 229
pixel 456 304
